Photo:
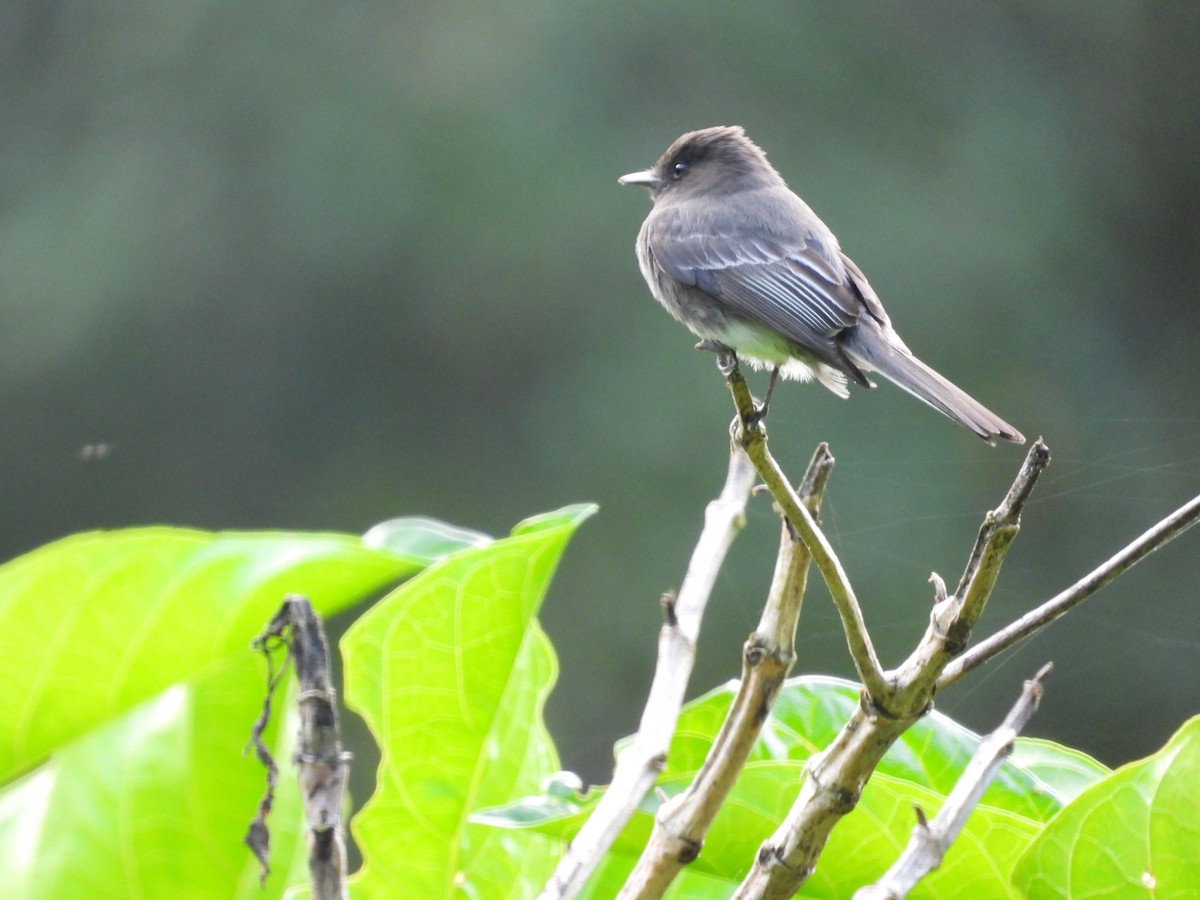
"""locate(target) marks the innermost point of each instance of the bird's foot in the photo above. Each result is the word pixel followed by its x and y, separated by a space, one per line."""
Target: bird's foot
pixel 727 361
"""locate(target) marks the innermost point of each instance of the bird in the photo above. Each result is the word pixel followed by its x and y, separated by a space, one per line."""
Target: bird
pixel 731 252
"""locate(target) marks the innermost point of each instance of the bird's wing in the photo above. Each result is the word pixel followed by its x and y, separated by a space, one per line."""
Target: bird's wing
pixel 796 284
pixel 867 293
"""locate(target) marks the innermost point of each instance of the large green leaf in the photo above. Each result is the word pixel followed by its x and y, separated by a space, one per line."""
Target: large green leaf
pixel 861 848
pixel 93 624
pixel 450 672
pixel 868 840
pixel 1135 834
pixel 921 768
pixel 811 709
pixel 155 803
pixel 1063 771
pixel 151 798
pixel 422 539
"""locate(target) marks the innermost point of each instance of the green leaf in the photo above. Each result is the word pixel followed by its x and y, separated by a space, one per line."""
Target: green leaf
pixel 95 623
pixel 1134 834
pixel 862 847
pixel 450 672
pixel 921 768
pixel 558 810
pixel 811 710
pixel 1063 771
pixel 868 840
pixel 155 803
pixel 422 540
pixel 562 817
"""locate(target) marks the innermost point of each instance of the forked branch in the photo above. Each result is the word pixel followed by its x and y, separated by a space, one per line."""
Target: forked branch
pixel 930 840
pixel 891 701
pixel 1170 527
pixel 768 656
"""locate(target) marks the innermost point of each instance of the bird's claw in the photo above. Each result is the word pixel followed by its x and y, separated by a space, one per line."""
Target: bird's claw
pixel 727 361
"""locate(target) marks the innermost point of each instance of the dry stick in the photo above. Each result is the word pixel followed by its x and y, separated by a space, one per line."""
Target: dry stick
pixel 639 764
pixel 1175 524
pixel 749 434
pixel 835 777
pixel 998 530
pixel 322 767
pixel 955 616
pixel 930 840
pixel 768 656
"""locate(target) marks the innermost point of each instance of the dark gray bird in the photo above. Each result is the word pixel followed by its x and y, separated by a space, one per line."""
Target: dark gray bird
pixel 743 262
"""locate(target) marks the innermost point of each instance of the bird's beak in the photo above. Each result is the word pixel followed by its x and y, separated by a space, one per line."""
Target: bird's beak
pixel 648 178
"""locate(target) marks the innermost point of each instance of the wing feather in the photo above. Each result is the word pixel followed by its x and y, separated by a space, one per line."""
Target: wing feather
pixel 790 276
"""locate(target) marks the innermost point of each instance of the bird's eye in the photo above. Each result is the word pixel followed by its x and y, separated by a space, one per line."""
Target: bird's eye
pixel 678 169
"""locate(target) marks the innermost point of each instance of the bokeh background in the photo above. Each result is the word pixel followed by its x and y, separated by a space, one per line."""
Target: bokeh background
pixel 317 264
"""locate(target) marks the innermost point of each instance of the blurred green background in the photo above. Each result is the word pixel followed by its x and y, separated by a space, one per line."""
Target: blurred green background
pixel 318 264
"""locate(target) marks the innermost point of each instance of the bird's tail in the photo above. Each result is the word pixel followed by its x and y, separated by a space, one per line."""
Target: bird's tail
pixel 872 347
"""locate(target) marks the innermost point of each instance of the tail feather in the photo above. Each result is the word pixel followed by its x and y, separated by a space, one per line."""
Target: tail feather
pixel 872 349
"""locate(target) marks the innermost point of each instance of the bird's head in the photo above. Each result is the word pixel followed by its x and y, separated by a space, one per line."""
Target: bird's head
pixel 712 162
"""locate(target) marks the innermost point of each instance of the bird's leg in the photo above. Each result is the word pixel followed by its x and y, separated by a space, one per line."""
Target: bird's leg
pixel 762 409
pixel 727 364
pixel 727 361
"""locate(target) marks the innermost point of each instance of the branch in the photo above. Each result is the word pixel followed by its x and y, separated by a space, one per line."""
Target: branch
pixel 323 767
pixel 835 777
pixel 930 840
pixel 999 529
pixel 640 763
pixel 768 656
pixel 955 616
pixel 1172 526
pixel 751 436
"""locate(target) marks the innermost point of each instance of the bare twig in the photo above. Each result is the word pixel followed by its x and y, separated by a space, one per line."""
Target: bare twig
pixel 768 656
pixel 323 767
pixel 751 436
pixel 955 616
pixel 930 840
pixel 639 764
pixel 1175 524
pixel 999 529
